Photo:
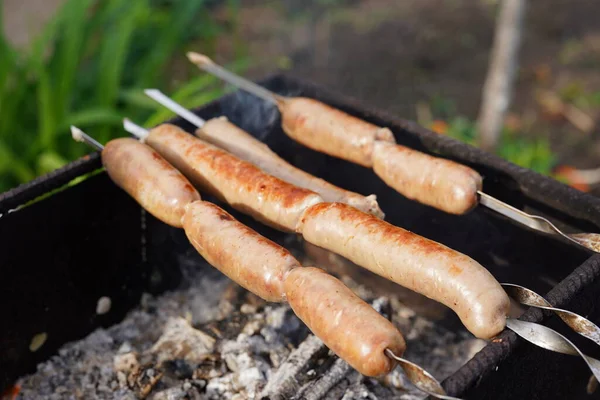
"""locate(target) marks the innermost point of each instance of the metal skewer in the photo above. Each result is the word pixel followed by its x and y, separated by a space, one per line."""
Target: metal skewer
pixel 535 333
pixel 82 137
pixel 136 130
pixel 590 241
pixel 579 324
pixel 212 68
pixel 549 339
pixel 422 379
pixel 523 295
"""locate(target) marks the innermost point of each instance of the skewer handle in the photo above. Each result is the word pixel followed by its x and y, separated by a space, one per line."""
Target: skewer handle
pixel 81 136
pixel 165 101
pixel 208 65
pixel 135 129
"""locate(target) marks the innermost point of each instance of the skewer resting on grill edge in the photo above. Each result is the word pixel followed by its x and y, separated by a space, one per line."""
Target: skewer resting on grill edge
pixel 222 133
pixel 523 295
pixel 347 325
pixel 437 182
pixel 534 333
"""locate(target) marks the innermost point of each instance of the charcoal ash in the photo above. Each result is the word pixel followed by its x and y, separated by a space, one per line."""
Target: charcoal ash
pixel 214 340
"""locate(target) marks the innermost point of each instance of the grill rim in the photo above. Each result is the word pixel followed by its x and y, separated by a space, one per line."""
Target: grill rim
pixel 533 185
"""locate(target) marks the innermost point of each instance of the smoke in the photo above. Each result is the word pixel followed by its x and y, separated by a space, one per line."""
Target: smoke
pixel 250 113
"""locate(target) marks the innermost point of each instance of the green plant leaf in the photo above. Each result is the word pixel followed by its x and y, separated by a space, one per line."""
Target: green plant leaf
pixel 49 161
pixel 92 116
pixel 70 51
pixel 168 40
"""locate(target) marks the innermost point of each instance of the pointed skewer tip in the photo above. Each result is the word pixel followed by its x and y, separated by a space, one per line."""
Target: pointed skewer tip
pixel 150 91
pixel 77 134
pixel 198 59
pixel 136 130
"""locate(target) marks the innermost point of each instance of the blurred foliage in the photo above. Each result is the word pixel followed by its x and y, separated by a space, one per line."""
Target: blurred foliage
pixel 88 68
pixel 528 152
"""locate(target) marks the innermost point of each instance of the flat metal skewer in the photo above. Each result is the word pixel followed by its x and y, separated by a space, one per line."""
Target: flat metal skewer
pixel 422 379
pixel 579 324
pixel 534 333
pixel 590 241
pixel 136 130
pixel 549 339
pixel 212 68
pixel 82 137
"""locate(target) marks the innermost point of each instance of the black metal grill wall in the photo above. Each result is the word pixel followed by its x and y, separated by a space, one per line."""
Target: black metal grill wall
pixel 63 252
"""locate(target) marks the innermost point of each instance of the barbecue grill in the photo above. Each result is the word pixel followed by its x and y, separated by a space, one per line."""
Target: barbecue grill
pixel 65 250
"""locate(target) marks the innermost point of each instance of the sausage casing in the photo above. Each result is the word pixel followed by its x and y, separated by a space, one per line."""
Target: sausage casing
pixel 345 323
pixel 241 184
pixel 224 134
pixel 147 177
pixel 437 182
pixel 331 131
pixel 412 261
pixel 245 256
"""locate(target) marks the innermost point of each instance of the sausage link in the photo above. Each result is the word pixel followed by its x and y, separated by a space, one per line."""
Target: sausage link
pixel 346 324
pixel 331 131
pixel 241 184
pixel 147 177
pixel 222 133
pixel 437 182
pixel 412 261
pixel 246 257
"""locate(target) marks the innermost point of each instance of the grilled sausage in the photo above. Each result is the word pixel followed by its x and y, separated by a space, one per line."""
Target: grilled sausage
pixel 251 260
pixel 331 131
pixel 239 183
pixel 434 181
pixel 346 324
pixel 222 133
pixel 412 261
pixel 147 177
pixel 437 182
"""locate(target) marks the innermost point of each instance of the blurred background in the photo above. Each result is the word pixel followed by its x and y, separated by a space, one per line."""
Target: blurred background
pixel 85 62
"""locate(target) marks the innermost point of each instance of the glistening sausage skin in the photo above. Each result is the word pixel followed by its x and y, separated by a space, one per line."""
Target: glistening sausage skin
pixel 434 181
pixel 412 261
pixel 437 182
pixel 224 134
pixel 346 324
pixel 325 129
pixel 147 177
pixel 239 183
pixel 245 256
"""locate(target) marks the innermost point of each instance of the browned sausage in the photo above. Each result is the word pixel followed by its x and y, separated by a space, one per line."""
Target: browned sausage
pixel 434 181
pixel 331 131
pixel 346 324
pixel 147 177
pixel 229 137
pixel 412 261
pixel 239 183
pixel 437 182
pixel 251 260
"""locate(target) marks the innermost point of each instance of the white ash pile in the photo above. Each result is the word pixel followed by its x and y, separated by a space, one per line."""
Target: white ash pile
pixel 214 340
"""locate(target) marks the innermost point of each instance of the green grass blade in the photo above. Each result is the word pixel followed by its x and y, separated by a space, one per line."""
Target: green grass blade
pixel 70 51
pixel 169 39
pixel 92 116
pixel 113 56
